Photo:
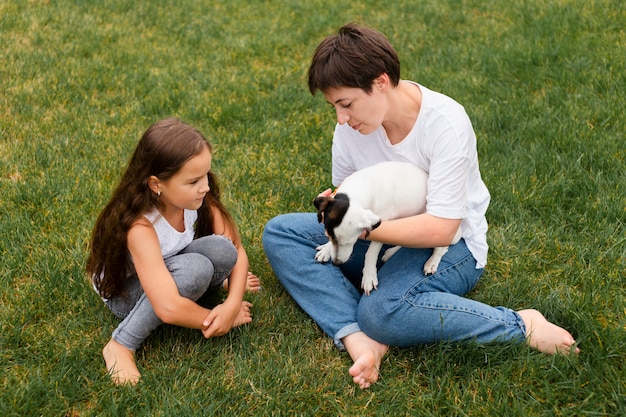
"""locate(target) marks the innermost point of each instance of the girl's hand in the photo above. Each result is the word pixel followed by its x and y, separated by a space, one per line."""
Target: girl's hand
pixel 223 318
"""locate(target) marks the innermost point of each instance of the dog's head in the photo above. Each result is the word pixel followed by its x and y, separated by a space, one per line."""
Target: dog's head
pixel 344 223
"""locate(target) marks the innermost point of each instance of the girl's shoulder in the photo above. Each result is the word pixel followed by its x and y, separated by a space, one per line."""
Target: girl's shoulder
pixel 141 232
pixel 142 224
pixel 141 228
pixel 152 215
pixel 142 221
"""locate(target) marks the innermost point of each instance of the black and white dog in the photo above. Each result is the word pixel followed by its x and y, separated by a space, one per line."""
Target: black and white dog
pixel 389 190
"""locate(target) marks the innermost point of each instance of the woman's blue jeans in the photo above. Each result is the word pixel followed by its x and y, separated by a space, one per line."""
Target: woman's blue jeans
pixel 408 308
pixel 204 264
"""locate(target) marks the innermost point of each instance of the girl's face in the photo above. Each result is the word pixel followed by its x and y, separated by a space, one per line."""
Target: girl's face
pixel 361 111
pixel 187 188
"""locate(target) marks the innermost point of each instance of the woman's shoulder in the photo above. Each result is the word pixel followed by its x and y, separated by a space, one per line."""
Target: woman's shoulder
pixel 440 101
pixel 440 111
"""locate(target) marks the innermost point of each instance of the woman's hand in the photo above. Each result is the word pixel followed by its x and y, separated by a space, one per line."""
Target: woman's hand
pixel 325 193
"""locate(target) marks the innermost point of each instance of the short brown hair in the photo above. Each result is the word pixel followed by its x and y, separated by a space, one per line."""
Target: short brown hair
pixel 354 58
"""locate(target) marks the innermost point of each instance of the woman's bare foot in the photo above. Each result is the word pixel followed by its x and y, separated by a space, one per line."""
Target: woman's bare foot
pixel 120 363
pixel 545 336
pixel 253 283
pixel 367 355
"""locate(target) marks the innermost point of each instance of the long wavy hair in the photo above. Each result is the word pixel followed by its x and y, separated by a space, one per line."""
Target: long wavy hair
pixel 162 151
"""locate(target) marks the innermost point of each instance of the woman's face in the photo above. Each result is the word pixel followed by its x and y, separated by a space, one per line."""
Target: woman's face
pixel 361 111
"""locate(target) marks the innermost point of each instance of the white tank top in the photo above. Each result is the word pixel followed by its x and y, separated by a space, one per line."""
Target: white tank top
pixel 171 240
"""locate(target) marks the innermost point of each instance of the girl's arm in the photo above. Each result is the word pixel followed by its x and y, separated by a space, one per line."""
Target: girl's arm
pixel 230 313
pixel 157 282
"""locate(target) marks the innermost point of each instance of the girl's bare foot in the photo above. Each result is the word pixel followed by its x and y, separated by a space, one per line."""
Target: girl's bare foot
pixel 245 314
pixel 120 363
pixel 545 336
pixel 367 355
pixel 253 283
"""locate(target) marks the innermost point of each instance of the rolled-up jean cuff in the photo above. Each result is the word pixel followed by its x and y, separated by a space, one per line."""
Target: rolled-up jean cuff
pixel 343 332
pixel 522 325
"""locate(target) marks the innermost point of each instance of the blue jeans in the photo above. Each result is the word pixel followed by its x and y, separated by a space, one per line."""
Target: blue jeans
pixel 408 308
pixel 203 265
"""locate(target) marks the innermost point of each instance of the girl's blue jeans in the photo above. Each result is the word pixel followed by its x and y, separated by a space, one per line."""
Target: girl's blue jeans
pixel 408 308
pixel 203 265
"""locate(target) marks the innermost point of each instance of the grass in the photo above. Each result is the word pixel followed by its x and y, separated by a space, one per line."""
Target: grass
pixel 543 82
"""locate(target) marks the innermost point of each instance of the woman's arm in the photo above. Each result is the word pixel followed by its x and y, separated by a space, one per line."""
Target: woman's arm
pixel 419 231
pixel 157 282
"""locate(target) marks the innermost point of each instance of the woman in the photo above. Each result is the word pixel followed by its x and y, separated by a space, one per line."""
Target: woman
pixel 383 118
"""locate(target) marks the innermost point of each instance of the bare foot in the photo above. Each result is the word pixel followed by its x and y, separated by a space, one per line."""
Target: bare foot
pixel 253 283
pixel 120 363
pixel 245 314
pixel 545 336
pixel 367 355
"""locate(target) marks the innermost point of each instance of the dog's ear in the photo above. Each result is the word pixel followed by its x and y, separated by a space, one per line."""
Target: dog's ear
pixel 320 200
pixel 321 203
pixel 369 221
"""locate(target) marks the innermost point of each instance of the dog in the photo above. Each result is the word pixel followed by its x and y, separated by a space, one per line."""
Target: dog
pixel 386 191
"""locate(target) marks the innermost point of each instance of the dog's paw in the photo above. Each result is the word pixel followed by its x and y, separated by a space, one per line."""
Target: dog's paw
pixel 390 252
pixel 431 265
pixel 369 282
pixel 324 252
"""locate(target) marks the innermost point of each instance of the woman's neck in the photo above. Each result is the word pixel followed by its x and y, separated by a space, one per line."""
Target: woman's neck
pixel 405 102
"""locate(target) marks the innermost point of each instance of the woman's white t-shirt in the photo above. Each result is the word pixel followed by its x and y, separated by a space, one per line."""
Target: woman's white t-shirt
pixel 442 143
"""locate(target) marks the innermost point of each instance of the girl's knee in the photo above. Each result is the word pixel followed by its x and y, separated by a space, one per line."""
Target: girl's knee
pixel 224 257
pixel 218 249
pixel 194 275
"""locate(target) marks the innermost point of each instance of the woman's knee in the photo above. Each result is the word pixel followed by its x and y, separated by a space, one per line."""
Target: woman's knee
pixel 274 234
pixel 293 224
pixel 294 227
pixel 373 316
pixel 278 226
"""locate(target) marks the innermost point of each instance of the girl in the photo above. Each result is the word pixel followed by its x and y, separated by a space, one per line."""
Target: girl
pixel 162 241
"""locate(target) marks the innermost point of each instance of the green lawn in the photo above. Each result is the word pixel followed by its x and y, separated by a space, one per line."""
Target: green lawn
pixel 542 80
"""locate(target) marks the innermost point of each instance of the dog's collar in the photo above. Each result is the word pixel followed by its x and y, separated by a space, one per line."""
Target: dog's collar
pixel 374 226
